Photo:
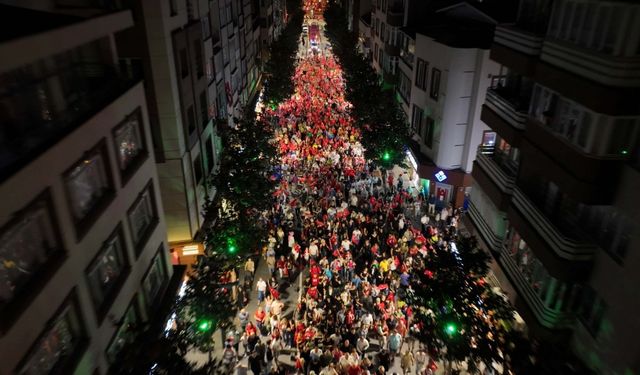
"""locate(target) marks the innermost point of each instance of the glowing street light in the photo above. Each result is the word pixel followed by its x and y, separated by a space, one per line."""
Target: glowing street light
pixel 205 325
pixel 450 328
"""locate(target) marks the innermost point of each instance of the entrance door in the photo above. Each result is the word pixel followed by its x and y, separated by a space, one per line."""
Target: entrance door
pixel 444 191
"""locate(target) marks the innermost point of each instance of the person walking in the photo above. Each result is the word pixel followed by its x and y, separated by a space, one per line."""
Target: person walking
pixel 421 358
pixel 261 287
pixel 407 361
pixel 250 269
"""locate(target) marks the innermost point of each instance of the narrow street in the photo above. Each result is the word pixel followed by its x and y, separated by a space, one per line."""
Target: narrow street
pixel 352 231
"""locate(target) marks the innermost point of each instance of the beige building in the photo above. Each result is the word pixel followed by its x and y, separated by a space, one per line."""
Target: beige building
pixel 83 247
pixel 202 64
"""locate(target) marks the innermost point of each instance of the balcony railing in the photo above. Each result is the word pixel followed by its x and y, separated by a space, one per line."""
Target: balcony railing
pixel 499 167
pixel 557 229
pixel 619 71
pixel 519 40
pixel 511 108
pixel 493 240
pixel 548 317
pixel 24 137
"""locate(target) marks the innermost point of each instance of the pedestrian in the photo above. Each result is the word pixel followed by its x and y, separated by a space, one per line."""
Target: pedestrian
pixel 261 287
pixel 407 361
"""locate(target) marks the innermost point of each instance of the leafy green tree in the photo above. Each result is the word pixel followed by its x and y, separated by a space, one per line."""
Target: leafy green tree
pixel 375 111
pixel 460 317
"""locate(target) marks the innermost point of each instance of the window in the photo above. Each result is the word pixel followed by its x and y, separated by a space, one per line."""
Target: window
pixel 173 7
pixel 125 333
pixel 88 182
pixel 155 279
pixel 58 344
pixel 184 63
pixel 197 169
pixel 191 120
pixel 382 32
pixel 28 244
pixel 107 271
pixel 209 153
pixel 204 108
pixel 404 86
pixel 422 71
pixel 375 51
pixel 197 48
pixel 380 56
pixel 206 27
pixel 428 137
pixel 416 119
pixel 142 217
pixel 435 84
pixel 129 141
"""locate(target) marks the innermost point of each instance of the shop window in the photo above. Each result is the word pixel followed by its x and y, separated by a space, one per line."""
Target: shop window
pixel 128 138
pixel 155 279
pixel 58 345
pixel 143 217
pixel 30 247
pixel 107 271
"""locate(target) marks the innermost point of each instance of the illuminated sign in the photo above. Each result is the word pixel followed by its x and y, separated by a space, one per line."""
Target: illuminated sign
pixel 412 160
pixel 190 250
pixel 440 176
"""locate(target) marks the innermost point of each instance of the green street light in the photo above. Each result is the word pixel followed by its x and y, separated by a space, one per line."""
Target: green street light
pixel 205 325
pixel 386 156
pixel 450 328
pixel 231 246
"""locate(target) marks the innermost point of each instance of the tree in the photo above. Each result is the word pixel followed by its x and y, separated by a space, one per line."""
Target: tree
pixel 281 65
pixel 459 316
pixel 375 111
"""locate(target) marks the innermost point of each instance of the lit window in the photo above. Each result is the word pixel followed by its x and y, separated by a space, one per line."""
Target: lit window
pixel 107 269
pixel 87 183
pixel 56 345
pixel 142 216
pixel 128 139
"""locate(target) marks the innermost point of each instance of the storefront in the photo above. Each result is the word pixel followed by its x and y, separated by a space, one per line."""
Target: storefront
pixel 186 254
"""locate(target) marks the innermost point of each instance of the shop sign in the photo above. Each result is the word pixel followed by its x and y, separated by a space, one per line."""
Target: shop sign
pixel 440 176
pixel 412 159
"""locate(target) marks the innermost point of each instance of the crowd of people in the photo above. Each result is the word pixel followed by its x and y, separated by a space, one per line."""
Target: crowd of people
pixel 357 233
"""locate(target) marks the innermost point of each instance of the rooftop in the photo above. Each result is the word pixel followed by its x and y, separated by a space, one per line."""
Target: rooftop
pixel 20 22
pixel 454 33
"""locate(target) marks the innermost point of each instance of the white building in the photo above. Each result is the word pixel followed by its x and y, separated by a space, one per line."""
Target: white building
pixel 443 72
pixel 83 250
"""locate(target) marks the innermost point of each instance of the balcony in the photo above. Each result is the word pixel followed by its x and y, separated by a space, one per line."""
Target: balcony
pixel 391 50
pixel 516 48
pixel 511 108
pixel 42 116
pixel 492 239
pixel 546 316
pixel 395 15
pixel 496 173
pixel 554 232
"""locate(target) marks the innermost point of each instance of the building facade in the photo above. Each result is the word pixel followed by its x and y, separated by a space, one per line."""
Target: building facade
pixel 439 66
pixel 202 65
pixel 84 253
pixel 555 197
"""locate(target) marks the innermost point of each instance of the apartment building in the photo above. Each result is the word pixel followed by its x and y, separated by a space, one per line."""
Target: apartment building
pixel 555 194
pixel 355 10
pixel 202 66
pixel 83 250
pixel 436 56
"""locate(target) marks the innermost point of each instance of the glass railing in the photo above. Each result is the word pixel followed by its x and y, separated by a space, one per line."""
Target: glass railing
pixel 519 99
pixel 38 124
pixel 502 159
